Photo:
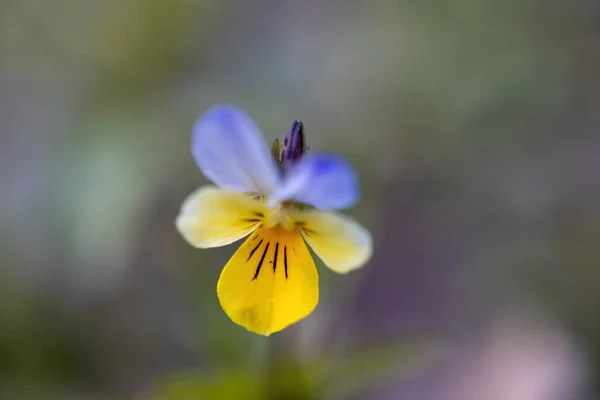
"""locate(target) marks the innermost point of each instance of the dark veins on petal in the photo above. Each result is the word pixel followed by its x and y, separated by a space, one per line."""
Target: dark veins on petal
pixel 261 261
pixel 285 260
pixel 275 257
pixel 253 250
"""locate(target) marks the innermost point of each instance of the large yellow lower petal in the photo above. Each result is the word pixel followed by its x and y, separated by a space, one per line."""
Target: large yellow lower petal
pixel 338 240
pixel 212 217
pixel 270 282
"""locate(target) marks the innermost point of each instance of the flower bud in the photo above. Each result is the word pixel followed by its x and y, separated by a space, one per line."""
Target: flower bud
pixel 293 144
pixel 276 150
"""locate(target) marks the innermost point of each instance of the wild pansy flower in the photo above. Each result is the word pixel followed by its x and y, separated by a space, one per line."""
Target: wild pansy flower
pixel 281 200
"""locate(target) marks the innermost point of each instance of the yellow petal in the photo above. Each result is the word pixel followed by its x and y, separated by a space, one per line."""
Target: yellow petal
pixel 270 282
pixel 338 240
pixel 212 217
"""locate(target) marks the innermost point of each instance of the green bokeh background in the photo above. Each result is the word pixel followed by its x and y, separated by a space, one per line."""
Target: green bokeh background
pixel 473 125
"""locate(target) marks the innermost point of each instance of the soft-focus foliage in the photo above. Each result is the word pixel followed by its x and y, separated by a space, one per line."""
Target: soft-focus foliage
pixel 473 126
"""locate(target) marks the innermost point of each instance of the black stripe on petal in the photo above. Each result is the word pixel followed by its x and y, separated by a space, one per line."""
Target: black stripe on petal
pixel 275 257
pixel 253 250
pixel 261 261
pixel 285 260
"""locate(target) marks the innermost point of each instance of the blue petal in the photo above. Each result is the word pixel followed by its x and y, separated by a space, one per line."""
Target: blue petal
pixel 322 180
pixel 230 151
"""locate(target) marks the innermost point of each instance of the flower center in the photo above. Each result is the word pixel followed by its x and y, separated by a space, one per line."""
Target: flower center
pixel 279 217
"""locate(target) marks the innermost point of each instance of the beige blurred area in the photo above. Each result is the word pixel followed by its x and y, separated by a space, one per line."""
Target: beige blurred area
pixel 475 131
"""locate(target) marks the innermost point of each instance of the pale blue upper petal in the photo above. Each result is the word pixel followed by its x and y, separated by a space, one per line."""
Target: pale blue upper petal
pixel 322 180
pixel 229 149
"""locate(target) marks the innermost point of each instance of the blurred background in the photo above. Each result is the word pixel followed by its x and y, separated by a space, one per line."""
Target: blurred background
pixel 474 127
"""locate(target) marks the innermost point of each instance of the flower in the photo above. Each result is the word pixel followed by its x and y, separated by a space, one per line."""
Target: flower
pixel 281 202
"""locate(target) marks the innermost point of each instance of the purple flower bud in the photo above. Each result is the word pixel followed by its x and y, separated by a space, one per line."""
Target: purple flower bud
pixel 293 144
